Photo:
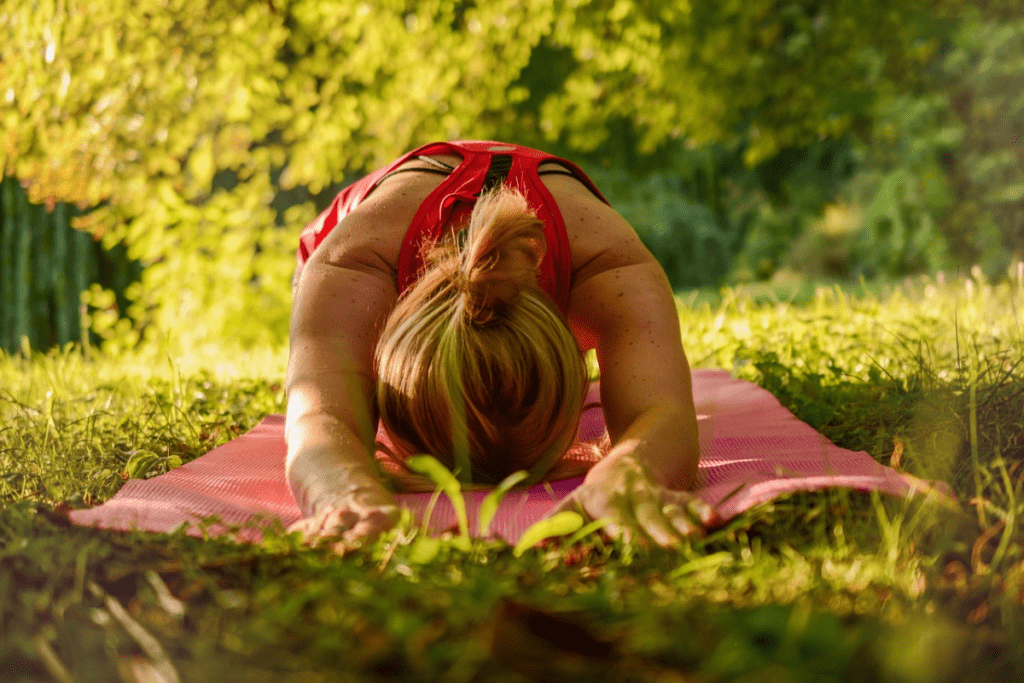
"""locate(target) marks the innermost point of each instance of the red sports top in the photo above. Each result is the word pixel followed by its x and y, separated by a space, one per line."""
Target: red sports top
pixel 483 165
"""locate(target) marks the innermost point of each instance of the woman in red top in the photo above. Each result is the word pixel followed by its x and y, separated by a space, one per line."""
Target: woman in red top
pixel 450 296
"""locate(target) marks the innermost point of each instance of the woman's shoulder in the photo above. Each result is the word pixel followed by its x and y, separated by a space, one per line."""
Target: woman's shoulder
pixel 373 231
pixel 599 238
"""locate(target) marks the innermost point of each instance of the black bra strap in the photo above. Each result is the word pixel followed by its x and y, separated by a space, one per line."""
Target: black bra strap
pixel 562 170
pixel 557 172
pixel 435 162
pixel 498 171
pixel 384 177
pixel 440 168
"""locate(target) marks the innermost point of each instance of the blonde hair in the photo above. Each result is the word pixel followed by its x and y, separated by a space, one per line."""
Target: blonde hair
pixel 476 366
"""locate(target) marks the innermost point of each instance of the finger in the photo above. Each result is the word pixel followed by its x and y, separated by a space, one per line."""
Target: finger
pixel 614 531
pixel 707 515
pixel 373 523
pixel 685 525
pixel 338 522
pixel 623 523
pixel 683 522
pixel 653 521
pixel 309 526
pixel 300 526
pixel 568 504
pixel 699 511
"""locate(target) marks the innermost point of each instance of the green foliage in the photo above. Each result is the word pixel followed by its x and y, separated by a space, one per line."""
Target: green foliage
pixel 838 139
pixel 709 219
pixel 183 120
pixel 926 178
pixel 694 245
pixel 985 67
pixel 902 191
pixel 898 234
pixel 768 74
pixel 201 132
pixel 938 180
pixel 135 108
pixel 782 202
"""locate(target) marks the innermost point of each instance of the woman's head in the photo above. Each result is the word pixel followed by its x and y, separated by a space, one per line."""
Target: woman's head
pixel 476 365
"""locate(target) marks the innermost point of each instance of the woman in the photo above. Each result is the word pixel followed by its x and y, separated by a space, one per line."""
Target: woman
pixel 449 295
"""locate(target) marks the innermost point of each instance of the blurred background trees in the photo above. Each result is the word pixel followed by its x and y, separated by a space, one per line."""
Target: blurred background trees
pixel 744 139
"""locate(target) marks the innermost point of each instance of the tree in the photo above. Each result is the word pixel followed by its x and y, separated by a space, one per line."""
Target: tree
pixel 181 120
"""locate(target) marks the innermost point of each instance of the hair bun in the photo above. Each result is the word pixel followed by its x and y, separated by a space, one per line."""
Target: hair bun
pixel 504 248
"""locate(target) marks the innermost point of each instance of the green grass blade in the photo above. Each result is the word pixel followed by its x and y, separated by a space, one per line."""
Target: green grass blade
pixel 973 435
pixel 446 481
pixel 1011 509
pixel 588 529
pixel 429 512
pixel 489 506
pixel 560 524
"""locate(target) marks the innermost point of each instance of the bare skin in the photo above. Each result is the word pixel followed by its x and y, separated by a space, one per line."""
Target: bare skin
pixel 620 304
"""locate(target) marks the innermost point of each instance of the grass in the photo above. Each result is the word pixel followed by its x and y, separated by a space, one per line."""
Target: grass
pixel 814 587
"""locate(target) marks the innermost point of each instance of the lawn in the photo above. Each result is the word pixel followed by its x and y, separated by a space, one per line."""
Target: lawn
pixel 924 375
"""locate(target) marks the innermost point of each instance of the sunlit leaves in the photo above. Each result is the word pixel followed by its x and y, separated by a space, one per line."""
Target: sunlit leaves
pixel 141 84
pixel 326 88
pixel 166 112
pixel 558 524
pixel 446 482
pixel 490 503
pixel 768 74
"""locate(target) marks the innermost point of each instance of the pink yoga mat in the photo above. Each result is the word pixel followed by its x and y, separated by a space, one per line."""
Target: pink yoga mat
pixel 751 447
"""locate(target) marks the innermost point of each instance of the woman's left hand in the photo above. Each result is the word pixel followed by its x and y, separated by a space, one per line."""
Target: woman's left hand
pixel 639 508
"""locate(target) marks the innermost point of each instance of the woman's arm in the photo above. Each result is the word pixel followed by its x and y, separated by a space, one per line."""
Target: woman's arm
pixel 624 308
pixel 342 301
pixel 630 314
pixel 330 428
